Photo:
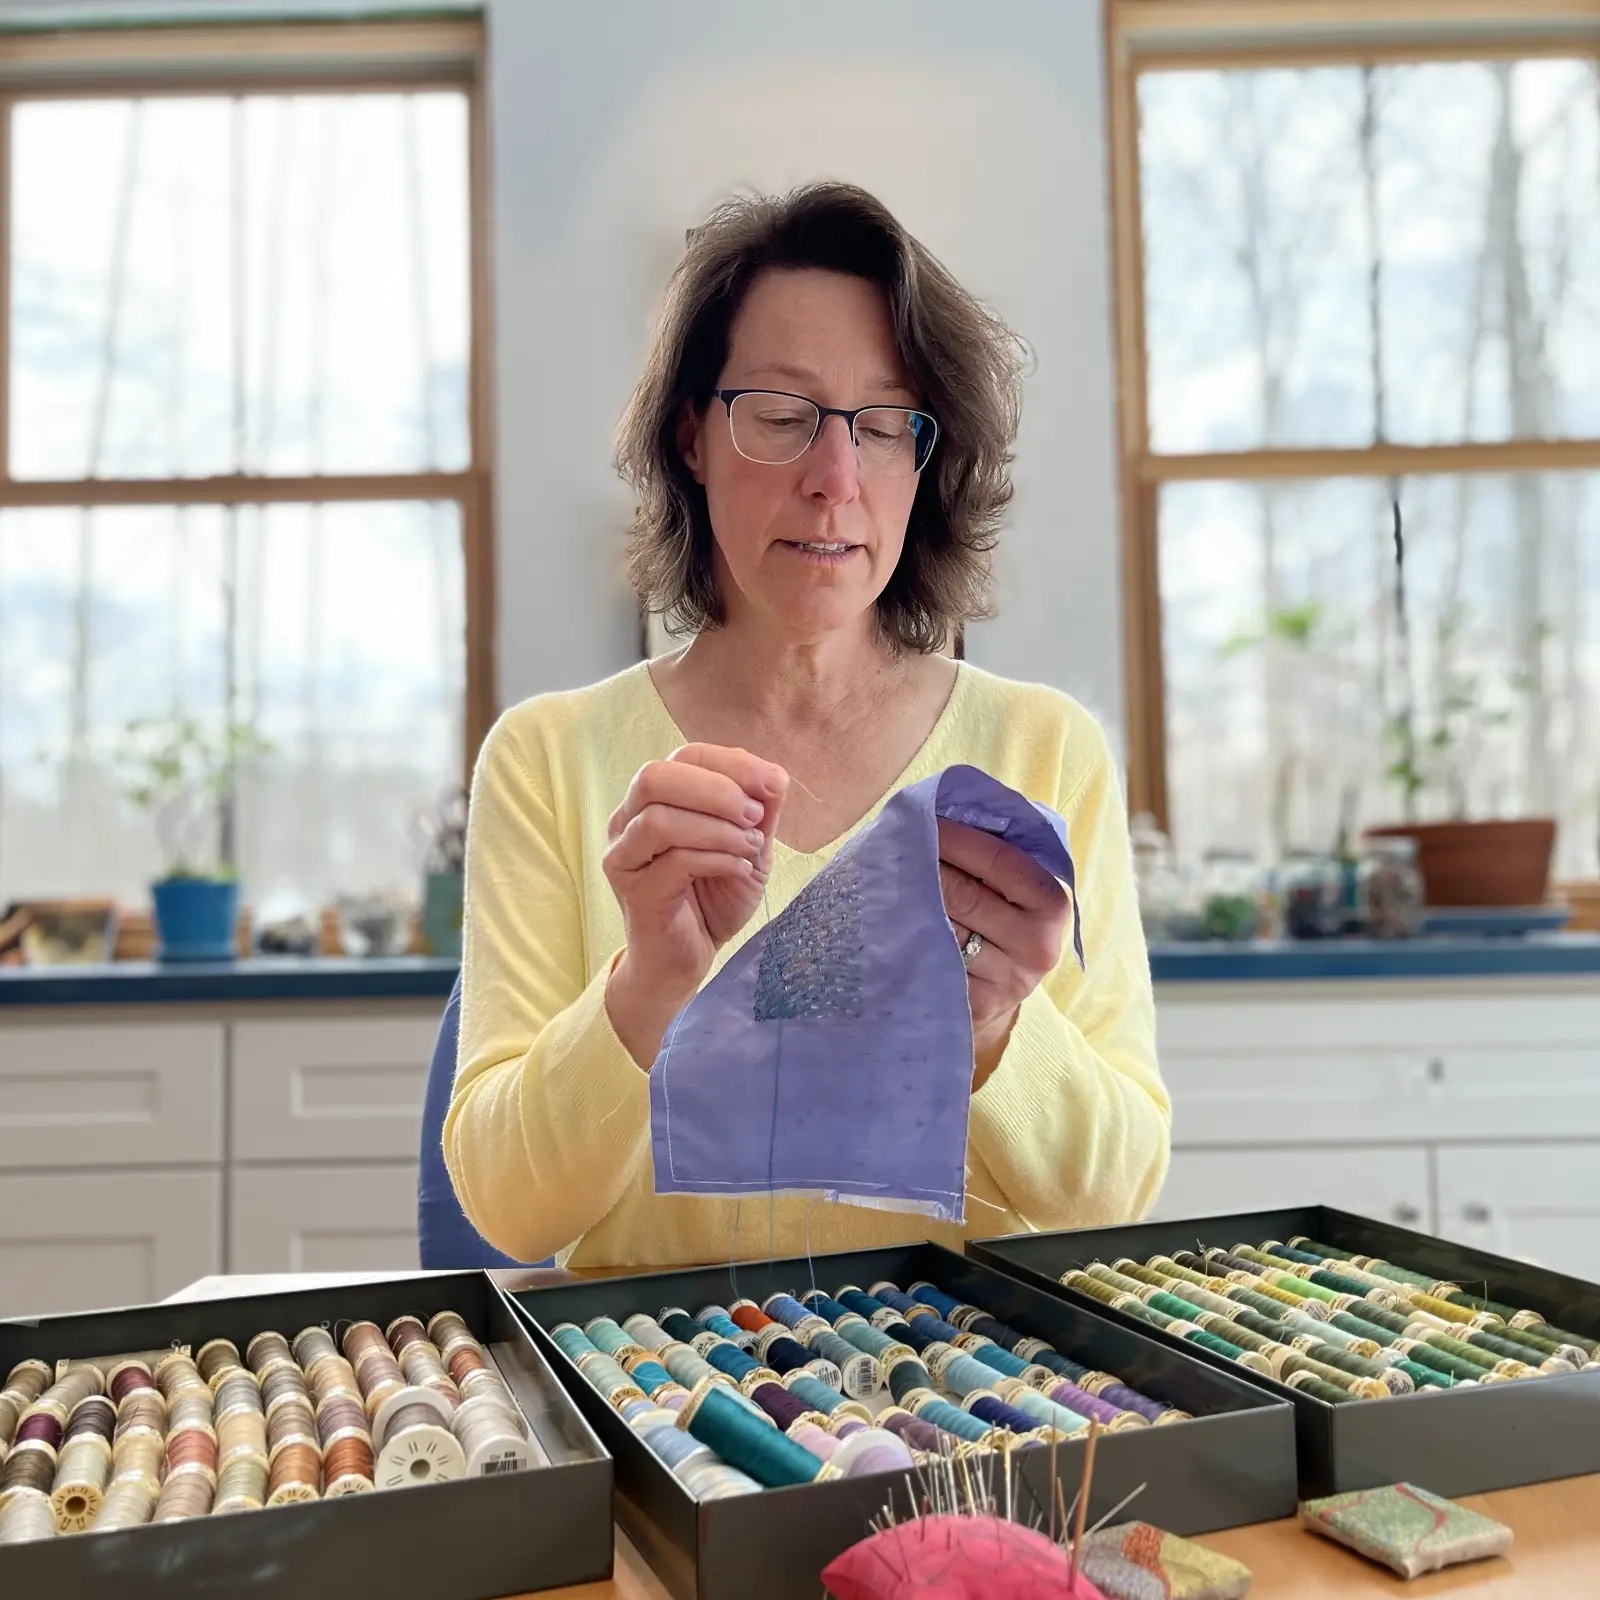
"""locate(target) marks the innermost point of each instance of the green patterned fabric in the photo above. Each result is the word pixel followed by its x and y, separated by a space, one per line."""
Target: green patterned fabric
pixel 1406 1528
pixel 1134 1561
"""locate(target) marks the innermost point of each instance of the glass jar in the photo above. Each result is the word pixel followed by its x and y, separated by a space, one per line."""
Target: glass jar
pixel 1313 896
pixel 1231 887
pixel 1156 877
pixel 1391 889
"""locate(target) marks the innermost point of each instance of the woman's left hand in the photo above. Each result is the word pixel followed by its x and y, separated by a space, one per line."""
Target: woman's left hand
pixel 1017 909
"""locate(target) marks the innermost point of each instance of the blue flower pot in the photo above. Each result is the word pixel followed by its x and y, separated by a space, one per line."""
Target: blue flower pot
pixel 196 919
pixel 441 914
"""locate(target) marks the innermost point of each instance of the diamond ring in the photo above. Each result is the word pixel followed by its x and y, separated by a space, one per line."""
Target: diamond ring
pixel 969 951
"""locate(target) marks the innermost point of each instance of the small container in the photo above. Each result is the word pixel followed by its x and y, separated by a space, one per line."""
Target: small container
pixel 1231 886
pixel 1159 884
pixel 1313 895
pixel 1391 890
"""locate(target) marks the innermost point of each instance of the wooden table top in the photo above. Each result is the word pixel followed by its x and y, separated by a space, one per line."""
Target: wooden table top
pixel 1556 1557
pixel 1556 1554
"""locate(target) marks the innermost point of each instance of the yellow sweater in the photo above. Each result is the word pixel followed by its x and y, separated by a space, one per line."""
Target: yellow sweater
pixel 548 1134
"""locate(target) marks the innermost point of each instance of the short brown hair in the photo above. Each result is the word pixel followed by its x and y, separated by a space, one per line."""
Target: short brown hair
pixel 963 361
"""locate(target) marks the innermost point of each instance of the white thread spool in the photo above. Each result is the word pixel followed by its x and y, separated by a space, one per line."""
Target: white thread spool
pixel 415 1450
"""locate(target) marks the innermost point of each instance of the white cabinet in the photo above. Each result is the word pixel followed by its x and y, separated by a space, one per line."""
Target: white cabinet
pixel 334 1088
pixel 1538 1203
pixel 323 1219
pixel 111 1094
pixel 74 1241
pixel 1386 1182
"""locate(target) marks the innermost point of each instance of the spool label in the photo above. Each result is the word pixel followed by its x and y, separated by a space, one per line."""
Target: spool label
pixel 886 1318
pixel 705 1342
pixel 506 1461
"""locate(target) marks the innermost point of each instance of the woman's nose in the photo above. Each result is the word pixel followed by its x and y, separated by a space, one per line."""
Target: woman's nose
pixel 831 467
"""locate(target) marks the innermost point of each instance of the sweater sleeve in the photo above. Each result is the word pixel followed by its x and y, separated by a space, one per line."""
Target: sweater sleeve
pixel 550 1116
pixel 1074 1124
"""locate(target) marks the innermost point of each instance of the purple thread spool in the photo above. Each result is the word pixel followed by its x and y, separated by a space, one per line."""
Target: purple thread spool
pixel 95 1415
pixel 815 1440
pixel 846 1425
pixel 779 1404
pixel 918 1434
pixel 993 1410
pixel 872 1450
pixel 1085 1404
pixel 1126 1399
pixel 40 1425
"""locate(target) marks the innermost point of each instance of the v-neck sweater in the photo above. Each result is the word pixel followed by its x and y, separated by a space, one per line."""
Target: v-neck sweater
pixel 548 1135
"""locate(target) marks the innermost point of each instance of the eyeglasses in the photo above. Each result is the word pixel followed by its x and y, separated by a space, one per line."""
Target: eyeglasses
pixel 776 428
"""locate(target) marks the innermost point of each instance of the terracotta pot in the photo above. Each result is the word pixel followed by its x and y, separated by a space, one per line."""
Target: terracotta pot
pixel 1500 863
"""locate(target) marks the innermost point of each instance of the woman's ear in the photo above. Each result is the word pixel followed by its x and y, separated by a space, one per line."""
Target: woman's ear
pixel 691 425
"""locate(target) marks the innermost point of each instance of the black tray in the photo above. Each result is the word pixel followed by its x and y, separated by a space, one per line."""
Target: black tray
pixel 1234 1464
pixel 467 1540
pixel 1494 1436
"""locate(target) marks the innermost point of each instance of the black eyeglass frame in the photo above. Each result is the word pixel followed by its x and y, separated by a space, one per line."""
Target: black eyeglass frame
pixel 728 396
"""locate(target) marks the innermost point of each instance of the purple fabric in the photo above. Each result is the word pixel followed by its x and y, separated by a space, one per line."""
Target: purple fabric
pixel 832 1054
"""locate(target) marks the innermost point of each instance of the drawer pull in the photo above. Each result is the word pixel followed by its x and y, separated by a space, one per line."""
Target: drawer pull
pixel 1476 1212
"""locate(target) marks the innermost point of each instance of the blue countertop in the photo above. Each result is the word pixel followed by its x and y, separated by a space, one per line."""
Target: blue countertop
pixel 265 978
pixel 1550 955
pixel 421 978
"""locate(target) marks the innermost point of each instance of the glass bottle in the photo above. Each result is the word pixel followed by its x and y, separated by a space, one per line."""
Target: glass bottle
pixel 1391 888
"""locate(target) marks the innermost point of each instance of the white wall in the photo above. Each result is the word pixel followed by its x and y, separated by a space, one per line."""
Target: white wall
pixel 617 125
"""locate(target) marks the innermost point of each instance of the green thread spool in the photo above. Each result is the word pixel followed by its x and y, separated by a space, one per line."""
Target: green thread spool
pixel 1340 1284
pixel 1184 1310
pixel 1393 1380
pixel 1171 1269
pixel 1132 1269
pixel 1118 1280
pixel 1263 1304
pixel 1424 1377
pixel 1426 1355
pixel 1330 1333
pixel 1304 1286
pixel 1182 1328
pixel 1443 1309
pixel 1387 1269
pixel 1511 1350
pixel 1389 1323
pixel 753 1446
pixel 1537 1344
pixel 1084 1284
pixel 1329 1394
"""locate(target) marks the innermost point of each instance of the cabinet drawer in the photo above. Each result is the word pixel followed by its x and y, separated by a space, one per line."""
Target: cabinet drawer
pixel 75 1241
pixel 1538 1203
pixel 133 1094
pixel 1386 1182
pixel 324 1219
pixel 344 1088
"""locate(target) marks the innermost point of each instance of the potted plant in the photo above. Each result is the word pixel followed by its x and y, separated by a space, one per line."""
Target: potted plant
pixel 1486 862
pixel 183 774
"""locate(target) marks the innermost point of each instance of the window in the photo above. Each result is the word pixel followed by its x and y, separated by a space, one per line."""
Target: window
pixel 243 447
pixel 1359 278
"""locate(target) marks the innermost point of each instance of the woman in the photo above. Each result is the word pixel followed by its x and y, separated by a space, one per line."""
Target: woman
pixel 820 446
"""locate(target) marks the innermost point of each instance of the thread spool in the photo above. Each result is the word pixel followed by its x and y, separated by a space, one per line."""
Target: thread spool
pixel 946 1417
pixel 240 1390
pixel 291 1419
pixel 190 1408
pixel 1064 1418
pixel 216 1358
pixel 42 1423
pixel 31 1466
pixel 755 1448
pixel 185 1496
pixel 423 1367
pixel 784 1408
pixel 241 1485
pixel 129 1503
pixel 348 1465
pixel 174 1371
pixel 241 1433
pixel 294 1473
pixel 265 1348
pixel 417 1447
pixel 128 1378
pixel 26 1516
pixel 904 1375
pixel 29 1378
pixel 192 1448
pixel 916 1433
pixel 83 1473
pixel 646 1331
pixel 282 1384
pixel 95 1415
pixel 776 1349
pixel 331 1376
pixel 494 1440
pixel 717 1320
pixel 818 1441
pixel 990 1408
pixel 139 1455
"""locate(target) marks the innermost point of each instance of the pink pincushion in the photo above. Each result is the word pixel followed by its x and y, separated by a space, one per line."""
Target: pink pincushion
pixel 954 1558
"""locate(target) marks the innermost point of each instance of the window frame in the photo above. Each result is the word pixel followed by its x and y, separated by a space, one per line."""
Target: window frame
pixel 1173 35
pixel 231 60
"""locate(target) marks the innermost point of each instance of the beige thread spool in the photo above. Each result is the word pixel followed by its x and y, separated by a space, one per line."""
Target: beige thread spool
pixel 184 1496
pixel 294 1472
pixel 417 1445
pixel 267 1347
pixel 83 1474
pixel 139 1455
pixel 26 1516
pixel 241 1485
pixel 216 1359
pixel 494 1438
pixel 241 1433
pixel 129 1503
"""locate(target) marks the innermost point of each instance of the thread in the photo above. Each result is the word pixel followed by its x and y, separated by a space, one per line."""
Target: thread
pixel 997 1413
pixel 241 1485
pixel 294 1473
pixel 142 1409
pixel 138 1456
pixel 127 1378
pixel 646 1331
pixel 820 1443
pixel 129 1503
pixel 83 1473
pixel 815 1394
pixel 265 1348
pixel 495 1438
pixel 348 1465
pixel 779 1403
pixel 759 1451
pixel 25 1517
pixel 184 1496
pixel 31 1467
pixel 919 1435
pixel 716 1319
pixel 217 1357
pixel 1044 1409
pixel 312 1345
pixel 95 1416
pixel 872 1451
pixel 946 1417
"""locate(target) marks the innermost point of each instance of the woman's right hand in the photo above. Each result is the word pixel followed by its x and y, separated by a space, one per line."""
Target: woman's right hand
pixel 691 847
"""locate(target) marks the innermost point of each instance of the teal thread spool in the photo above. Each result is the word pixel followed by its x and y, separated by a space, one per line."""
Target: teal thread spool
pixel 1439 1360
pixel 604 1334
pixel 754 1447
pixel 1328 1393
pixel 946 1417
pixel 1002 1361
pixel 961 1374
pixel 572 1342
pixel 905 1374
pixel 814 1392
pixel 649 1374
pixel 715 1319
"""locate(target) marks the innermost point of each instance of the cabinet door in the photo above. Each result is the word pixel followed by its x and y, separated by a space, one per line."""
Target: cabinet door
pixel 330 1089
pixel 125 1094
pixel 323 1219
pixel 1388 1183
pixel 75 1241
pixel 1538 1203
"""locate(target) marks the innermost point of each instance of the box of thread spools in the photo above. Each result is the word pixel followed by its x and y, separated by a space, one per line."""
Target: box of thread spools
pixel 760 1416
pixel 404 1436
pixel 1407 1358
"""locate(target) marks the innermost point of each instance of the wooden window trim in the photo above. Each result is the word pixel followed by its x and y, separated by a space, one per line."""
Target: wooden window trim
pixel 1171 35
pixel 283 58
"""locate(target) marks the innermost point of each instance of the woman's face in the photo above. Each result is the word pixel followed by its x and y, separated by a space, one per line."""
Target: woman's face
pixel 812 544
